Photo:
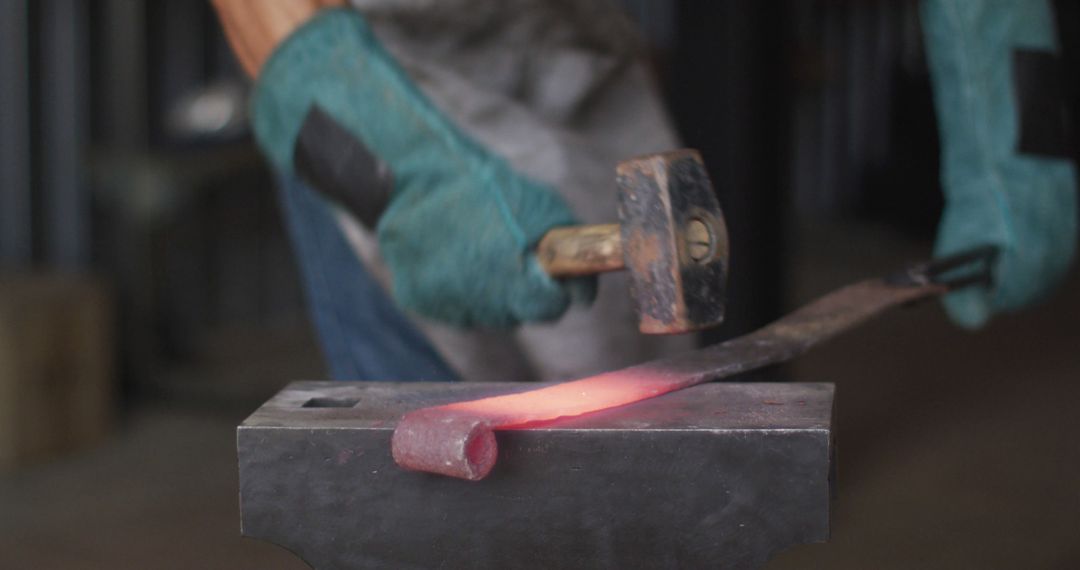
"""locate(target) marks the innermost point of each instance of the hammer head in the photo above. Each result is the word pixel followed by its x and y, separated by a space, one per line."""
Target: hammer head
pixel 674 242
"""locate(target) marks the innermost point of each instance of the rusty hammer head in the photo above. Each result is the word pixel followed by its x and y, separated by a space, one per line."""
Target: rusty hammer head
pixel 674 242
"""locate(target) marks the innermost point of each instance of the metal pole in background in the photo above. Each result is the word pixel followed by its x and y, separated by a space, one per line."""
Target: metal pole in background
pixel 731 99
pixel 15 214
pixel 125 111
pixel 64 100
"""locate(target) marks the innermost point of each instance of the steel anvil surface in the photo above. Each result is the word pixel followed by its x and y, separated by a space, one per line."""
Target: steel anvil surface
pixel 721 475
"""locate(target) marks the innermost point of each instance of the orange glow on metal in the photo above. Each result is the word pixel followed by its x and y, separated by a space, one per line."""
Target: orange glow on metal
pixel 569 399
pixel 457 439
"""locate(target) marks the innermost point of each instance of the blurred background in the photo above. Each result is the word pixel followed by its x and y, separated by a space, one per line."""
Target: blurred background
pixel 149 299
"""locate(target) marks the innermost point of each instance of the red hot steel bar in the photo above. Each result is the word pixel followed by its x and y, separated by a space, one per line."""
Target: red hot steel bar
pixel 458 439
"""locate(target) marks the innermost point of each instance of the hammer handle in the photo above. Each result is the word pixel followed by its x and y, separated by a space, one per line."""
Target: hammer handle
pixel 581 250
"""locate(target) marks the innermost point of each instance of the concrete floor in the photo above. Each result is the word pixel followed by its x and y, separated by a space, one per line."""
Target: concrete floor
pixel 162 495
pixel 956 450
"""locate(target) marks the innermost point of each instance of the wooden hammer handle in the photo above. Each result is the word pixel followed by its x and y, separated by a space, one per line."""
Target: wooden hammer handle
pixel 255 28
pixel 581 250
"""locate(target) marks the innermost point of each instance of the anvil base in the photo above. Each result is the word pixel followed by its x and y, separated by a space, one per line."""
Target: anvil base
pixel 721 475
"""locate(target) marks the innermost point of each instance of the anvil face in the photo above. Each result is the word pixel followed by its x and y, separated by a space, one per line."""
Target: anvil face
pixel 721 475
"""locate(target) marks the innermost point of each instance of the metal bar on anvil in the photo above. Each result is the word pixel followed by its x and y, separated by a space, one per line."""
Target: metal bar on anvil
pixel 720 475
pixel 458 440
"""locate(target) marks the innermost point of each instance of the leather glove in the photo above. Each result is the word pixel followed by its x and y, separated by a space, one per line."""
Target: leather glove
pixel 461 224
pixel 1024 203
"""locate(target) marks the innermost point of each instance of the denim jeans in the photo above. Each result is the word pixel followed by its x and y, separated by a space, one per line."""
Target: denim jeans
pixel 364 336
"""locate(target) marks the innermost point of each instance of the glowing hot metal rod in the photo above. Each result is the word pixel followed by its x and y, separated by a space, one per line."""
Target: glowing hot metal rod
pixel 458 439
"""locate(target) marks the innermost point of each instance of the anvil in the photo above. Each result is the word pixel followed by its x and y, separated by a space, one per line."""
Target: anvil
pixel 721 475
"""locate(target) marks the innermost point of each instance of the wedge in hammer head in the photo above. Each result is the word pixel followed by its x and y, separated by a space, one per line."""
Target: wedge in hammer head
pixel 671 236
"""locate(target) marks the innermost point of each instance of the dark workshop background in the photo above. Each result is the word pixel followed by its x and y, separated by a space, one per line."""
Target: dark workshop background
pixel 149 300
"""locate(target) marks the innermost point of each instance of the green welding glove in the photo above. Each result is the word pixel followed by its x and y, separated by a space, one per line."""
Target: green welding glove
pixel 461 224
pixel 1024 203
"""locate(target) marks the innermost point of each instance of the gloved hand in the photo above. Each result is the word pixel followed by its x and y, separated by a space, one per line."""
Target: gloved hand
pixel 1025 204
pixel 461 224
